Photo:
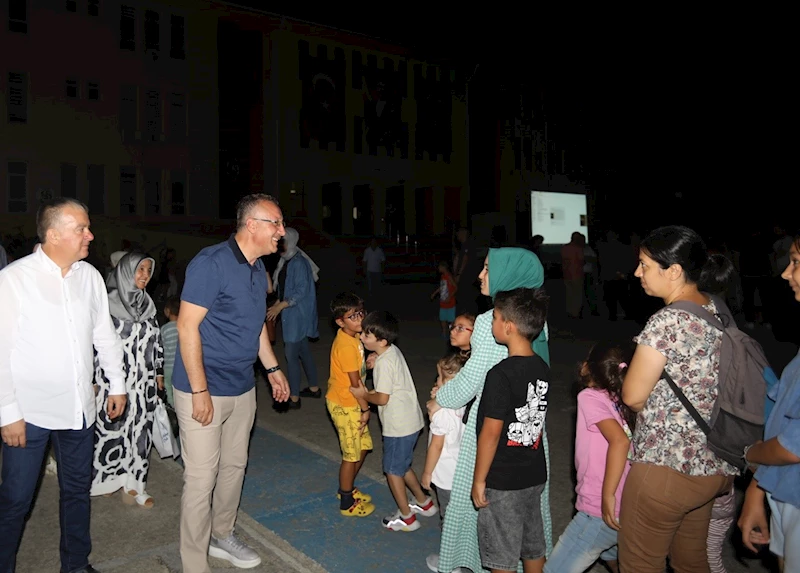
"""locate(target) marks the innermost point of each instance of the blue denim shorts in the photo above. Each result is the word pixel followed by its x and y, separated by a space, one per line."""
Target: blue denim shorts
pixel 398 453
pixel 511 528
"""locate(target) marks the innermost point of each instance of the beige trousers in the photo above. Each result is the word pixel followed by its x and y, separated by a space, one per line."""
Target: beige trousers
pixel 214 458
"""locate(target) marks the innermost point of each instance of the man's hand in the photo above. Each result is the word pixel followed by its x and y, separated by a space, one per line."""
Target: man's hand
pixel 433 406
pixel 13 434
pixel 280 387
pixel 363 423
pixel 202 408
pixel 479 494
pixel 116 405
pixel 360 392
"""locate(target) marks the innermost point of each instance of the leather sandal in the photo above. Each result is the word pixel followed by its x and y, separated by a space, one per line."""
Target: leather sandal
pixel 141 499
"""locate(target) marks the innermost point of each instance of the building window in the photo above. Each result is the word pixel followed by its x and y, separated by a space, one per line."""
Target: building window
pixel 127 113
pixel 17 97
pixel 72 6
pixel 69 180
pixel 93 91
pixel 93 8
pixel 151 35
pixel 152 192
pixel 17 187
pixel 178 197
pixel 72 89
pixel 177 117
pixel 127 191
pixel 177 42
pixel 127 28
pixel 96 179
pixel 153 114
pixel 18 16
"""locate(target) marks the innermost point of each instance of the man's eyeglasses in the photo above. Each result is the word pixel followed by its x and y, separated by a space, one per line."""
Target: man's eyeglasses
pixel 279 223
pixel 460 328
pixel 356 315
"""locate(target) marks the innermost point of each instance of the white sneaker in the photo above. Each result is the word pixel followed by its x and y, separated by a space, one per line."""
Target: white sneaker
pixel 235 551
pixel 51 468
pixel 396 522
pixel 426 508
pixel 433 564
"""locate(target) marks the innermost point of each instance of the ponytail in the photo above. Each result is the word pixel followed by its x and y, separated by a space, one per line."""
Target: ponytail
pixel 715 274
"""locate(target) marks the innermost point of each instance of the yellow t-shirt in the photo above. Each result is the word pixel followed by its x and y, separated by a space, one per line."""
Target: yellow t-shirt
pixel 347 355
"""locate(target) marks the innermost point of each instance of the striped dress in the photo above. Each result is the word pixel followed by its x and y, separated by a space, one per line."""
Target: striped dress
pixel 459 545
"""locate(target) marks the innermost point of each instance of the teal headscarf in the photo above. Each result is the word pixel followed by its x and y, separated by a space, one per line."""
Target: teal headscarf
pixel 510 268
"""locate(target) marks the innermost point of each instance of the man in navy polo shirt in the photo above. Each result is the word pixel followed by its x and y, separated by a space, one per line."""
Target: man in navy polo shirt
pixel 221 331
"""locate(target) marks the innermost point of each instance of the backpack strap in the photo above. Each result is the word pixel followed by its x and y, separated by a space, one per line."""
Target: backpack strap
pixel 686 403
pixel 717 322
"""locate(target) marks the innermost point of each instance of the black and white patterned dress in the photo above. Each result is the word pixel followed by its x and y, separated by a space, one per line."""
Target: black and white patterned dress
pixel 122 446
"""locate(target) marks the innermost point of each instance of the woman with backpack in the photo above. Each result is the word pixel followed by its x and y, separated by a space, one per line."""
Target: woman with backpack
pixel 674 477
pixel 777 459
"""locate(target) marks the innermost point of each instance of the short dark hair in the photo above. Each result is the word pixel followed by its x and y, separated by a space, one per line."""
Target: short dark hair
pixel 246 204
pixel 50 211
pixel 526 308
pixel 382 324
pixel 446 264
pixel 343 303
pixel 173 305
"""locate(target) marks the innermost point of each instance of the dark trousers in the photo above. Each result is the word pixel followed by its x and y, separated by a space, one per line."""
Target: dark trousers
pixel 22 468
pixel 297 353
pixel 615 291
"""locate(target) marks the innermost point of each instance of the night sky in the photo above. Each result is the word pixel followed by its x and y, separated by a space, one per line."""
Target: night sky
pixel 676 120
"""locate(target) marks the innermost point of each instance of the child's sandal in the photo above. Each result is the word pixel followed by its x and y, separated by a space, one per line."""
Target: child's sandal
pixel 358 509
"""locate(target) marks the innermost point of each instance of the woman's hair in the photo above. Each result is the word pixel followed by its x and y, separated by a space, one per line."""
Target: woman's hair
pixel 606 366
pixel 676 245
pixel 797 241
pixel 452 364
pixel 469 317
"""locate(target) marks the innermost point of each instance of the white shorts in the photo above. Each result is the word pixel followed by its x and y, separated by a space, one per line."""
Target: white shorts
pixel 785 533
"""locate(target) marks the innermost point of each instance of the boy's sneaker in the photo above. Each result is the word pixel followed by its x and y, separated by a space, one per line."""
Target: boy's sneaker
pixel 396 522
pixel 432 561
pixel 358 509
pixel 358 494
pixel 426 508
pixel 235 551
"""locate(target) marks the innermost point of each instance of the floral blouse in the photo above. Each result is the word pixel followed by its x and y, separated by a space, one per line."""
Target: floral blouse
pixel 666 434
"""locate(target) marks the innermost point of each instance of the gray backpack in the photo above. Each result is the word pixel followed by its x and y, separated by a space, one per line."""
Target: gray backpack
pixel 737 419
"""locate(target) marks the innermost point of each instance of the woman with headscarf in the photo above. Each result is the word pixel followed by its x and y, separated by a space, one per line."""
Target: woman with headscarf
pixel 297 307
pixel 122 446
pixel 504 269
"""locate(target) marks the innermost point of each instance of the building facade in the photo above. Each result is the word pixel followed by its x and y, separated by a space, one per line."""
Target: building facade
pixel 170 111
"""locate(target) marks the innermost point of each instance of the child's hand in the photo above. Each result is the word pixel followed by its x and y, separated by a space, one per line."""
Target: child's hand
pixel 371 360
pixel 479 494
pixel 434 390
pixel 363 423
pixel 609 513
pixel 433 407
pixel 426 480
pixel 360 392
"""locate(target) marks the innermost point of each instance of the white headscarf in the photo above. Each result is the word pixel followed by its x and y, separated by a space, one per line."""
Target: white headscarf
pixel 290 247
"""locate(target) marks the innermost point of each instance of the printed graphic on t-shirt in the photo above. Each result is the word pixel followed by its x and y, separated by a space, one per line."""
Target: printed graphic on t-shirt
pixel 444 292
pixel 527 430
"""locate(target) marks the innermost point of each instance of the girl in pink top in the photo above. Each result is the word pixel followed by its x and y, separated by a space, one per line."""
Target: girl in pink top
pixel 602 444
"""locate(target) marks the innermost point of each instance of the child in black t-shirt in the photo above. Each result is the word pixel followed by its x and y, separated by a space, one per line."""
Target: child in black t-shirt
pixel 510 468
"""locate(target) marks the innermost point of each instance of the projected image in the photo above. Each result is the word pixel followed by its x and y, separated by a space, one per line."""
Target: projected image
pixel 556 216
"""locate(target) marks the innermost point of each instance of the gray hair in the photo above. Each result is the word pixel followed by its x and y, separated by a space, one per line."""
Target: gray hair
pixel 49 214
pixel 246 205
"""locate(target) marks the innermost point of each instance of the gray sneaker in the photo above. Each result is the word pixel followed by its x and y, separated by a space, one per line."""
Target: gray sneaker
pixel 235 551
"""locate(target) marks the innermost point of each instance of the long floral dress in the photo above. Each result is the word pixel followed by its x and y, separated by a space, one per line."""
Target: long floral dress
pixel 122 446
pixel 459 546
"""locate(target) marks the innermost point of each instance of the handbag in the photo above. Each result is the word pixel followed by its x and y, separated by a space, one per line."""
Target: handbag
pixel 164 439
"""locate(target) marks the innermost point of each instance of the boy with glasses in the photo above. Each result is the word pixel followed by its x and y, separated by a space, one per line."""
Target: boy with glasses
pixel 350 415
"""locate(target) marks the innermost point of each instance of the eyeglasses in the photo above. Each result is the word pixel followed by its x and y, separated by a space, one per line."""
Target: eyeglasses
pixel 279 223
pixel 460 328
pixel 357 314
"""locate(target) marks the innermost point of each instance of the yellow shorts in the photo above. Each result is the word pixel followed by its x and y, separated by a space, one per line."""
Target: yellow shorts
pixel 351 441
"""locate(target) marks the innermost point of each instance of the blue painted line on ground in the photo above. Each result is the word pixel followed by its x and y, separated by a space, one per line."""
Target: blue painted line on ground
pixel 292 491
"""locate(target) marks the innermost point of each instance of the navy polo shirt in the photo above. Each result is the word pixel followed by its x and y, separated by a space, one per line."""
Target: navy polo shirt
pixel 220 279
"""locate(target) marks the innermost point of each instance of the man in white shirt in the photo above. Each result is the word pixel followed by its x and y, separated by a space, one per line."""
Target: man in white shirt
pixel 53 311
pixel 373 260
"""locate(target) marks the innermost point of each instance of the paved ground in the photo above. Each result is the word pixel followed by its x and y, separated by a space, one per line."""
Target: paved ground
pixel 288 508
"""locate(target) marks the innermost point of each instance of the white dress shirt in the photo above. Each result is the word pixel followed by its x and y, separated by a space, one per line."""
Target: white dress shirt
pixel 48 325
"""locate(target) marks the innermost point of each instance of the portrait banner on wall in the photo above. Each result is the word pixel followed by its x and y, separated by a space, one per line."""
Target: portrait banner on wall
pixel 434 132
pixel 381 91
pixel 322 115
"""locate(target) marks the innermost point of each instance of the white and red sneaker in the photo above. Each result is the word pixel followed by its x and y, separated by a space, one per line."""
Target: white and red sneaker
pixel 426 508
pixel 396 522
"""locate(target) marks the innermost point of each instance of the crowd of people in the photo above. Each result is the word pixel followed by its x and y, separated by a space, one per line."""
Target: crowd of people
pixel 650 490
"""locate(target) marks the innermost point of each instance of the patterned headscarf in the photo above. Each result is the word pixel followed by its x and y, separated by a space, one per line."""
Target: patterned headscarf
pixel 126 301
